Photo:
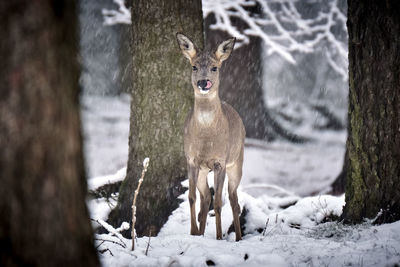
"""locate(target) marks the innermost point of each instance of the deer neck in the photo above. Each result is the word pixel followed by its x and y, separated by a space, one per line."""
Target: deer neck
pixel 207 110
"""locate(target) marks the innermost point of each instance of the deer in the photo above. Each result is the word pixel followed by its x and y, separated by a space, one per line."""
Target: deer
pixel 213 137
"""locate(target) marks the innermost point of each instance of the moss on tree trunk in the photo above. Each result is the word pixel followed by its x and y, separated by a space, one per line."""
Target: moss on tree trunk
pixel 43 216
pixel 162 96
pixel 373 145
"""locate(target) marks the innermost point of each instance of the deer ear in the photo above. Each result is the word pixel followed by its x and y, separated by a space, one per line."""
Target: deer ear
pixel 187 47
pixel 225 49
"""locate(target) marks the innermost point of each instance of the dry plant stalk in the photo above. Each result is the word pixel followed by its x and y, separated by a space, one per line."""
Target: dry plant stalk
pixel 145 165
pixel 148 244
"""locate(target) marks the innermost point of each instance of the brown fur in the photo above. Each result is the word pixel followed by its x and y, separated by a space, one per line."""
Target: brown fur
pixel 213 138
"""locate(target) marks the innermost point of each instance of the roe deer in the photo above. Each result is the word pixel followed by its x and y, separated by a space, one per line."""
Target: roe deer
pixel 213 137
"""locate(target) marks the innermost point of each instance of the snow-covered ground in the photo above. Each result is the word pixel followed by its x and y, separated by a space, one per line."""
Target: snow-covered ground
pixel 282 190
pixel 105 122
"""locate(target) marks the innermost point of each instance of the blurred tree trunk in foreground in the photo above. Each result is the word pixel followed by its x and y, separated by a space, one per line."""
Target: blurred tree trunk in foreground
pixel 373 174
pixel 161 98
pixel 43 216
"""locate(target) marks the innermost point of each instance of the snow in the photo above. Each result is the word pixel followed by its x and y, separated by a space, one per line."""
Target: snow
pixel 100 208
pixel 329 244
pixel 286 27
pixel 119 176
pixel 122 15
pixel 283 190
pixel 293 29
pixel 146 163
pixel 292 169
pixel 106 130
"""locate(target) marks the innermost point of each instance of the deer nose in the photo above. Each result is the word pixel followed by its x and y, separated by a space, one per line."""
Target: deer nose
pixel 202 83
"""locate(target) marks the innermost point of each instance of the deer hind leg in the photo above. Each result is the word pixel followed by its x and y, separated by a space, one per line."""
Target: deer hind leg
pixel 234 177
pixel 193 172
pixel 205 199
pixel 219 177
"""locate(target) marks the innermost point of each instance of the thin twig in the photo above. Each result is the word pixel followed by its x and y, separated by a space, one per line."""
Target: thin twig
pixel 110 229
pixel 106 249
pixel 111 241
pixel 148 244
pixel 145 165
pixel 265 229
pixel 100 243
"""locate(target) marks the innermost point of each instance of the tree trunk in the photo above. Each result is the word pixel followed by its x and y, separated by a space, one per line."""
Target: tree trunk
pixel 43 216
pixel 241 83
pixel 373 174
pixel 161 98
pixel 338 187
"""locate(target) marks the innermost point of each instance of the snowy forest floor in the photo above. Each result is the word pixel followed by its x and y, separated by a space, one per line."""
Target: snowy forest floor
pixel 289 218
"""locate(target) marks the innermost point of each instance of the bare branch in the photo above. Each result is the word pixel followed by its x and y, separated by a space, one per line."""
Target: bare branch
pixel 112 230
pixel 106 240
pixel 289 30
pixel 148 244
pixel 105 250
pixel 120 16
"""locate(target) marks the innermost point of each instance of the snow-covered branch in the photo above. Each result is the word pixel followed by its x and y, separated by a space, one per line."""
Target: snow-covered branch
pixel 286 27
pixel 122 15
pixel 112 232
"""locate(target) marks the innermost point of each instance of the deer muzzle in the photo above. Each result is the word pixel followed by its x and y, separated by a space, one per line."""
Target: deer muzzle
pixel 204 86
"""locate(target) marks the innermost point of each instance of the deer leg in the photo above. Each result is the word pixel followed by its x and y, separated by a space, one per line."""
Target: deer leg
pixel 193 172
pixel 234 177
pixel 219 177
pixel 232 189
pixel 205 198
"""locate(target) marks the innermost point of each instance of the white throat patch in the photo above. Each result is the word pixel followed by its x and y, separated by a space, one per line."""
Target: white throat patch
pixel 205 117
pixel 203 92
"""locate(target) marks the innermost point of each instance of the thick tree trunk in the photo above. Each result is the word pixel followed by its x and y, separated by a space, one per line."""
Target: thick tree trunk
pixel 43 216
pixel 338 187
pixel 161 98
pixel 241 80
pixel 241 83
pixel 373 174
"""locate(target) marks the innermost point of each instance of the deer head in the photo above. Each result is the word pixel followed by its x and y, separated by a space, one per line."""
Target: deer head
pixel 205 64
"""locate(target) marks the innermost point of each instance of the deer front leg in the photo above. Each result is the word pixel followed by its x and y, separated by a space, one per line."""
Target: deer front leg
pixel 219 177
pixel 234 176
pixel 205 197
pixel 193 173
pixel 232 189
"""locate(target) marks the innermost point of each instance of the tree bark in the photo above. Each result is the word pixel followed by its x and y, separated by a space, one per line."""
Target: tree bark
pixel 241 83
pixel 373 174
pixel 161 98
pixel 338 187
pixel 43 216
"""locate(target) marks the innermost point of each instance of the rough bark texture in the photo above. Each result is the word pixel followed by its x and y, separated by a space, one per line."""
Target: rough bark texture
pixel 373 174
pixel 43 216
pixel 161 98
pixel 241 83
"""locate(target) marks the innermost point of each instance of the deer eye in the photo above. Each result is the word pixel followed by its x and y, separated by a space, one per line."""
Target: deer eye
pixel 214 69
pixel 194 68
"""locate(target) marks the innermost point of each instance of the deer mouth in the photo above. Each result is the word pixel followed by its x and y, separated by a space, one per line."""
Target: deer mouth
pixel 206 89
